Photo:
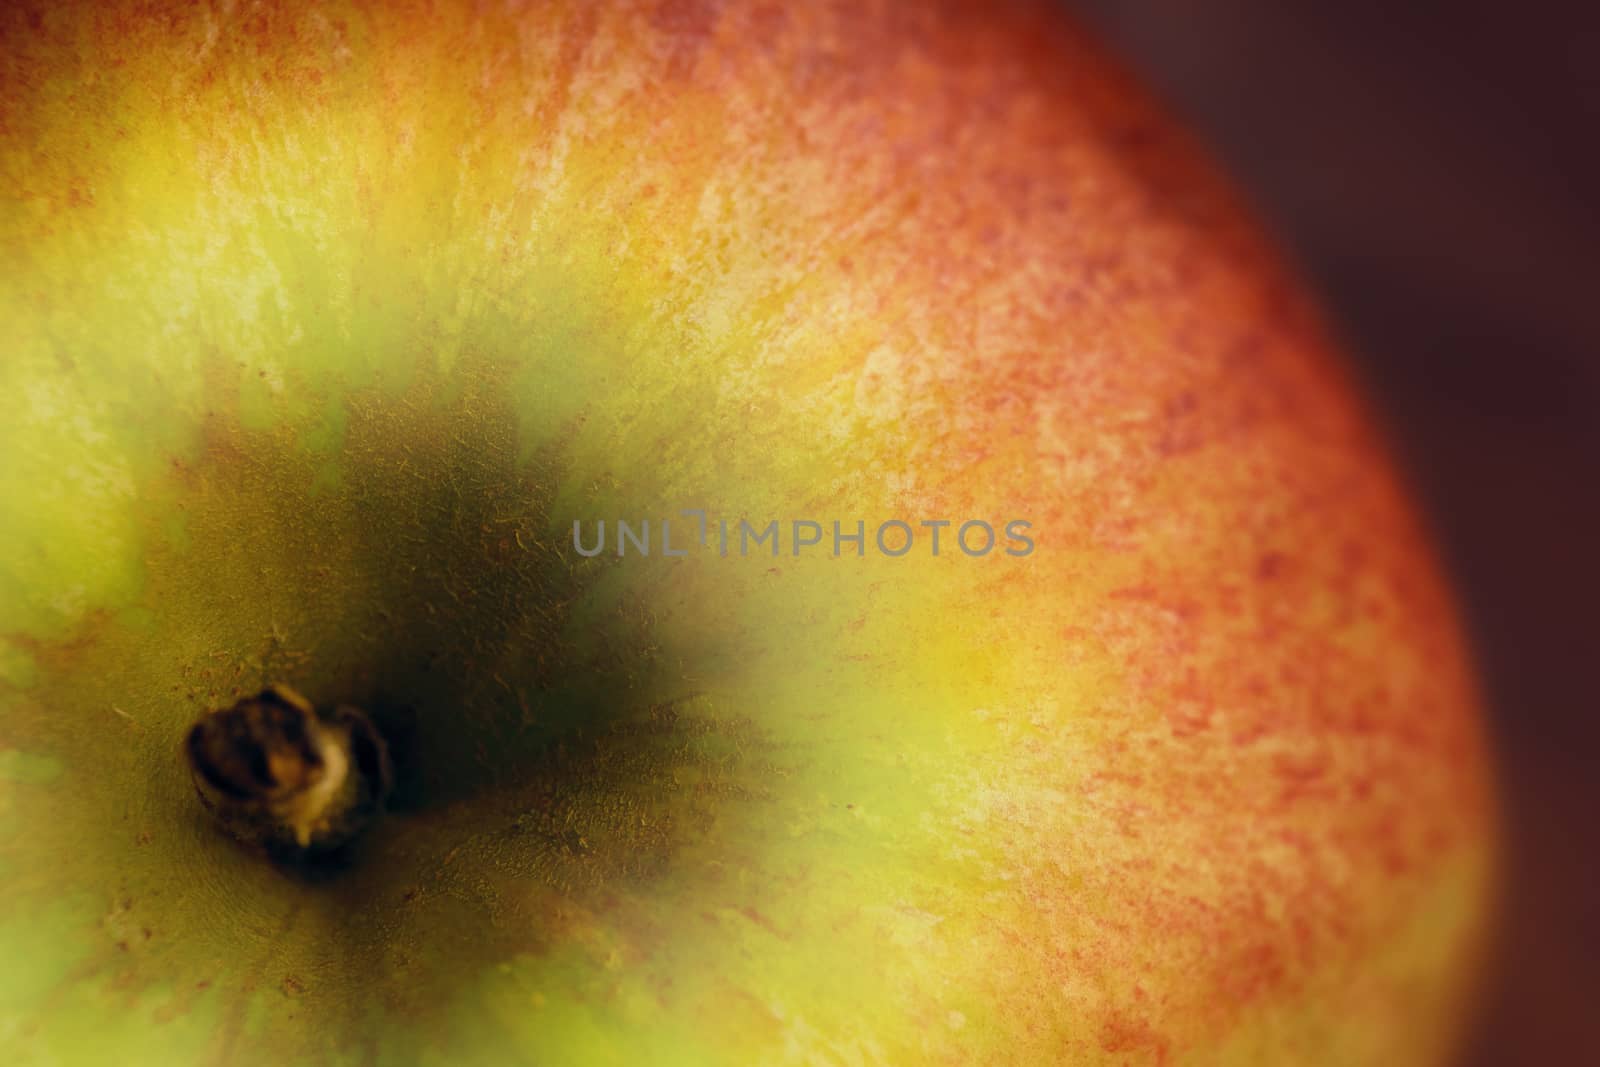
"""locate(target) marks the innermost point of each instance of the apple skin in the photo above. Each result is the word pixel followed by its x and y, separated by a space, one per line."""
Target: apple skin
pixel 325 322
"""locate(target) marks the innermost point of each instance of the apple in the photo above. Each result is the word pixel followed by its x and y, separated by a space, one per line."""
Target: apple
pixel 335 331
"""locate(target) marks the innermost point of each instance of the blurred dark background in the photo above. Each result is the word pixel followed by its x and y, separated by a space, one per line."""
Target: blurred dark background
pixel 1434 168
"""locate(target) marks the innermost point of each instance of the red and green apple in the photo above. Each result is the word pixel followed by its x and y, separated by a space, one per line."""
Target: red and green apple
pixel 326 325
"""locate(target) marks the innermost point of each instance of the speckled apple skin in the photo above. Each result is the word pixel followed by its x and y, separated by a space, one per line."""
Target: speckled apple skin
pixel 324 322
